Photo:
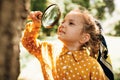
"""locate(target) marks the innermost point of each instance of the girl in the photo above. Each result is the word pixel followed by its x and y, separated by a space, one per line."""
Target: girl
pixel 75 58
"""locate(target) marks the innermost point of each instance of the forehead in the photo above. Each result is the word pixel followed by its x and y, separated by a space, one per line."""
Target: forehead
pixel 75 16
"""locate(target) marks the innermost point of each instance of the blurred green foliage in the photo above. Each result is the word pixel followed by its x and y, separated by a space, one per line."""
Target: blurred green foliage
pixel 117 29
pixel 84 3
pixel 99 5
pixel 38 5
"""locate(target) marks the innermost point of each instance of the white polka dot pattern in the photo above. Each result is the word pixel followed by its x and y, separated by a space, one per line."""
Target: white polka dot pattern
pixel 76 65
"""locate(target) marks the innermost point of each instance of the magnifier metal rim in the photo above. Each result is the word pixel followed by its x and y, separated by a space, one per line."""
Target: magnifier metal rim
pixel 56 18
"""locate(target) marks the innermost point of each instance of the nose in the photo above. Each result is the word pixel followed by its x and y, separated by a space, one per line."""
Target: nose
pixel 63 24
pixel 60 27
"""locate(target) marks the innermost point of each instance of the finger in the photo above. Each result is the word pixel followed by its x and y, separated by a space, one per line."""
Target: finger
pixel 35 16
pixel 30 15
pixel 38 14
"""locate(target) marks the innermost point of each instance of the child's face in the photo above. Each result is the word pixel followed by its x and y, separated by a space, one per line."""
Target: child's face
pixel 70 29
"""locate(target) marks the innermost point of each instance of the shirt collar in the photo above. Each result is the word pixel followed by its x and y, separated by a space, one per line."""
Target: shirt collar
pixel 77 55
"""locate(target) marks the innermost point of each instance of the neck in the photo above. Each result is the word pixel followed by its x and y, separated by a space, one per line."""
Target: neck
pixel 72 46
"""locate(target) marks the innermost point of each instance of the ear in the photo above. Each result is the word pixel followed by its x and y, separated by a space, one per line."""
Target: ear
pixel 85 38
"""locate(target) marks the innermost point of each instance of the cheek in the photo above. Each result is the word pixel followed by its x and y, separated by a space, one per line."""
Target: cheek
pixel 75 35
pixel 75 32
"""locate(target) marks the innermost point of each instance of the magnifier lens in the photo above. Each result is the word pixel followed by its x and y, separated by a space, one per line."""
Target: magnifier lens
pixel 51 16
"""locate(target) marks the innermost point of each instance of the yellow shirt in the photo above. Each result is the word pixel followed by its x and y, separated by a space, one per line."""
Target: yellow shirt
pixel 70 65
pixel 78 65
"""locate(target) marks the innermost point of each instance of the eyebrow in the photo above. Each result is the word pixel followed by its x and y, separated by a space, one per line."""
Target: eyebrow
pixel 72 20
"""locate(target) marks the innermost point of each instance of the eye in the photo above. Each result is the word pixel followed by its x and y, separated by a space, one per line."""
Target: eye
pixel 71 23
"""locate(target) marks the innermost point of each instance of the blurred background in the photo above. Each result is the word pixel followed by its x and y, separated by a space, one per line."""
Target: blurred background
pixel 107 12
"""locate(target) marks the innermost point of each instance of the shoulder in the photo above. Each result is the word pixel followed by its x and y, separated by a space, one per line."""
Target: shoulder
pixel 96 70
pixel 93 62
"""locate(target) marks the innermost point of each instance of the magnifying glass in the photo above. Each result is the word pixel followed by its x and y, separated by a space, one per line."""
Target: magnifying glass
pixel 51 16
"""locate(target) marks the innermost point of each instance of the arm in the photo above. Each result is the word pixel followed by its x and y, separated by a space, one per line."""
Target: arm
pixel 30 43
pixel 31 34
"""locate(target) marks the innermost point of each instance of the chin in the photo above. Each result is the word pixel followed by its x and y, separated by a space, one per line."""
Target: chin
pixel 59 37
pixel 62 39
